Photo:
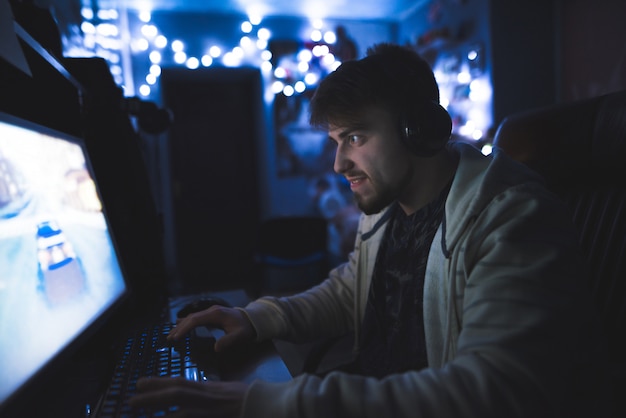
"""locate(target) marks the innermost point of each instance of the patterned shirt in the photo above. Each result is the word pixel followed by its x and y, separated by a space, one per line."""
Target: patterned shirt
pixel 393 326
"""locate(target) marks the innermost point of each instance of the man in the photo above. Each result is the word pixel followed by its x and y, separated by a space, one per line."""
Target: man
pixel 464 289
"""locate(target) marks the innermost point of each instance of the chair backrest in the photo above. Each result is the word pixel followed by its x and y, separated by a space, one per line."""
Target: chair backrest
pixel 580 149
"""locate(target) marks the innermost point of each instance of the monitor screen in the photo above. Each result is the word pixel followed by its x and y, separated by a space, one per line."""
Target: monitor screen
pixel 59 271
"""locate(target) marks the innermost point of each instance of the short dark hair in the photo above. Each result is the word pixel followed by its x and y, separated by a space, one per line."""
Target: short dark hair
pixel 390 76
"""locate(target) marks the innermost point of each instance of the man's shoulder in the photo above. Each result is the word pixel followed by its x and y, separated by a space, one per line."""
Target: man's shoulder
pixel 480 179
pixel 491 173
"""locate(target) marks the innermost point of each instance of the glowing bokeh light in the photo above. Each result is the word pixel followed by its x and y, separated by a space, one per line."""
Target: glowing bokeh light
pixel 288 91
pixel 155 70
pixel 144 90
pixel 231 59
pixel 206 60
pixel 177 45
pixel 305 55
pixel 266 55
pixel 192 63
pixel 180 57
pixel 88 28
pixel 316 35
pixel 149 31
pixel 160 41
pixel 246 27
pixel 145 16
pixel 277 86
pixel 300 86
pixel 330 37
pixel 155 57
pixel 280 72
pixel 303 66
pixel 87 13
pixel 140 44
pixel 215 51
pixel 311 79
pixel 107 29
pixel 266 67
pixel 263 33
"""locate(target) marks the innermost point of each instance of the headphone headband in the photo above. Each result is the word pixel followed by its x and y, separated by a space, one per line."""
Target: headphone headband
pixel 425 126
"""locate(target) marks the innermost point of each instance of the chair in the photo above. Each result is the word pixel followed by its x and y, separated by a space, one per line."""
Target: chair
pixel 291 253
pixel 580 149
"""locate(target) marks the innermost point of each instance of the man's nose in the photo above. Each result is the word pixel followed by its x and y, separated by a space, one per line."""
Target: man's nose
pixel 342 161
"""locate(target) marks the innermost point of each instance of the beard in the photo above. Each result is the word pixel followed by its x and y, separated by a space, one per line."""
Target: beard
pixel 376 203
pixel 384 195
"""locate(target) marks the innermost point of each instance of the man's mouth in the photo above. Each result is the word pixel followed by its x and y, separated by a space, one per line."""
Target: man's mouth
pixel 355 181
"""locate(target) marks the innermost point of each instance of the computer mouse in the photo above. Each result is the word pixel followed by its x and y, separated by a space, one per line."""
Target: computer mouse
pixel 200 305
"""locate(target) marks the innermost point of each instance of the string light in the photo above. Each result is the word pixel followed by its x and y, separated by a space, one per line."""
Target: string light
pixel 288 74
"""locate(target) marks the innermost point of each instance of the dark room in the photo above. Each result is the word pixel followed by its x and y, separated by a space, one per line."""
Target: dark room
pixel 312 208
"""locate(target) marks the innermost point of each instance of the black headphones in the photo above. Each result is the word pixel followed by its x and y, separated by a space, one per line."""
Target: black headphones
pixel 425 128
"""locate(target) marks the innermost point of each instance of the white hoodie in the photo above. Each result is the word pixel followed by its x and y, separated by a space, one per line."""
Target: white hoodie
pixel 508 327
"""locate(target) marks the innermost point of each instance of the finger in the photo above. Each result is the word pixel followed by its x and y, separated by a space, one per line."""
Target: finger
pixel 178 331
pixel 186 324
pixel 182 328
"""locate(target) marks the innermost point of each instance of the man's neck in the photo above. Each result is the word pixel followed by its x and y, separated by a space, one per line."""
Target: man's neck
pixel 430 177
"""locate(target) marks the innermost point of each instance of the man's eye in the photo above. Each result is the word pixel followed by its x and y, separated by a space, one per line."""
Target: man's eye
pixel 354 139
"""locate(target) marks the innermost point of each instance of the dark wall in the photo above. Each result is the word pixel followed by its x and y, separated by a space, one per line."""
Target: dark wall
pixel 593 51
pixel 213 144
pixel 555 51
pixel 523 55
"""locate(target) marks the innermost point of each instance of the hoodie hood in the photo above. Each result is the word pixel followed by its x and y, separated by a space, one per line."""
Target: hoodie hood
pixel 478 180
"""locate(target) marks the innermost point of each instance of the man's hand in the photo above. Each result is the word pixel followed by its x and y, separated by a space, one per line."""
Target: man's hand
pixel 237 327
pixel 192 399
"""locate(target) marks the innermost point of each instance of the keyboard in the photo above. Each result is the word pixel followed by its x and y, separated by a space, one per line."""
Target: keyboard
pixel 147 353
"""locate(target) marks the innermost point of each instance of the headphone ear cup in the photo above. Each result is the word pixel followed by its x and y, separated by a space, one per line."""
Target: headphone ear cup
pixel 426 129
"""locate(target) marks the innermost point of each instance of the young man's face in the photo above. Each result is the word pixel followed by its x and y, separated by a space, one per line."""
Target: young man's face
pixel 373 159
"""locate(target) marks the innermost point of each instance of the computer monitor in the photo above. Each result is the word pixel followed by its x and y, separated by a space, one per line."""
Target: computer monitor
pixel 60 275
